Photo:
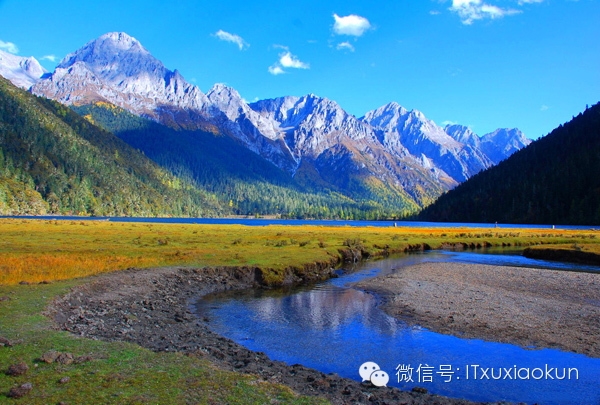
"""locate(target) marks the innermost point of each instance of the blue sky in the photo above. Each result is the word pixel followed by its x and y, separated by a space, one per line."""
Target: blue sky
pixel 530 64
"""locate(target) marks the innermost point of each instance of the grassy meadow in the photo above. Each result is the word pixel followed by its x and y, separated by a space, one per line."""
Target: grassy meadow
pixel 65 252
pixel 49 250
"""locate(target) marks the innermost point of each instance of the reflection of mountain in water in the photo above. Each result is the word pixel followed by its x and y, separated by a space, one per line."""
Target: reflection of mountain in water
pixel 326 308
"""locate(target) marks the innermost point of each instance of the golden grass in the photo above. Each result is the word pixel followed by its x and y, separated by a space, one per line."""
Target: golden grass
pixel 37 250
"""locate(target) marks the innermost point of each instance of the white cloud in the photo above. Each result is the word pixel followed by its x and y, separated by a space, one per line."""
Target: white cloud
pixel 286 60
pixel 9 47
pixel 51 58
pixel 345 46
pixel 448 123
pixel 471 10
pixel 236 39
pixel 276 70
pixel 521 2
pixel 544 107
pixel 353 25
pixel 435 12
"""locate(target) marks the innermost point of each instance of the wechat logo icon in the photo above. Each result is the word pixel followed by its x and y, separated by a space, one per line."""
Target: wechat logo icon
pixel 370 371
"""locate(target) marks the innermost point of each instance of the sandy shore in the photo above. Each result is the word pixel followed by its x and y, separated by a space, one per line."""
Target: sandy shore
pixel 528 307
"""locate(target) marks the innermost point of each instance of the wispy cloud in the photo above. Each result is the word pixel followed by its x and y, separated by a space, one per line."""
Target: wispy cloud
pixel 472 10
pixel 287 61
pixel 544 107
pixel 51 58
pixel 353 25
pixel 345 46
pixel 435 12
pixel 521 2
pixel 233 38
pixel 9 47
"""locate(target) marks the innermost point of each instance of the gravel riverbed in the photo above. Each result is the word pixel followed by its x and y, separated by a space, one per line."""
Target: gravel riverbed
pixel 522 306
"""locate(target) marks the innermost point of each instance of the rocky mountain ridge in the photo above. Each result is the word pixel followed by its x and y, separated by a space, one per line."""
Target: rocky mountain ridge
pixel 396 149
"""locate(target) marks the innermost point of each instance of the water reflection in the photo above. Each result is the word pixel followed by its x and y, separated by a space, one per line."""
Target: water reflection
pixel 334 328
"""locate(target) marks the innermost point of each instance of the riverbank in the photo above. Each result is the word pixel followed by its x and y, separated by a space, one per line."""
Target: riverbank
pixel 575 253
pixel 151 308
pixel 522 306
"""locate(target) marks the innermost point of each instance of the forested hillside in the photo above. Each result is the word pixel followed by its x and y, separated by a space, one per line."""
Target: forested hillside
pixel 555 180
pixel 238 177
pixel 53 161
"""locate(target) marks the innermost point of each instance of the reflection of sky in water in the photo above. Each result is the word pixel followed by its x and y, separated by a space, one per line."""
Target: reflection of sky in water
pixel 334 328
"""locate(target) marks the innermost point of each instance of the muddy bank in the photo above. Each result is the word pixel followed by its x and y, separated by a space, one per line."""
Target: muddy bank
pixel 563 255
pixel 152 308
pixel 527 307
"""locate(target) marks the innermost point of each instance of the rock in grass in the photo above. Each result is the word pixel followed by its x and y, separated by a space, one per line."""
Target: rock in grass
pixel 19 392
pixel 65 359
pixel 83 359
pixel 24 282
pixel 49 357
pixel 64 380
pixel 5 342
pixel 17 369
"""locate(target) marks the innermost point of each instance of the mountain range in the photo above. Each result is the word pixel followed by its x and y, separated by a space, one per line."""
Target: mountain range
pixel 388 154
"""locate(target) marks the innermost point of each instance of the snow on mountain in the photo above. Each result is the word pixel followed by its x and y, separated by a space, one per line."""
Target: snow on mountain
pixel 258 133
pixel 425 140
pixel 118 69
pixel 312 124
pixel 463 134
pixel 323 136
pixel 502 143
pixel 22 72
pixel 497 145
pixel 402 149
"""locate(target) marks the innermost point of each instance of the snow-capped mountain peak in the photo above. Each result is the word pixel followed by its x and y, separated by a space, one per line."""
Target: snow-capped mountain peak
pixel 126 74
pixel 22 72
pixel 463 134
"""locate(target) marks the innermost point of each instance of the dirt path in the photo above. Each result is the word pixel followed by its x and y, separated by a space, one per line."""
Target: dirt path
pixel 152 308
pixel 543 308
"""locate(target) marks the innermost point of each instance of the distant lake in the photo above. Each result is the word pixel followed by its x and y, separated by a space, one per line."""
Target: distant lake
pixel 295 222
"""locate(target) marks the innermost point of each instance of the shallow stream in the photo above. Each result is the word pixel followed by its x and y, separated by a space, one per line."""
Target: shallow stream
pixel 335 328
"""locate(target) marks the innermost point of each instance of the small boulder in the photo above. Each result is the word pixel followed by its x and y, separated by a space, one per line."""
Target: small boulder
pixel 19 392
pixel 5 342
pixel 83 359
pixel 64 380
pixel 17 369
pixel 419 390
pixel 24 282
pixel 65 359
pixel 49 357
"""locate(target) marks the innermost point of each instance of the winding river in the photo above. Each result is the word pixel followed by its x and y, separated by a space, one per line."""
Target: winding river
pixel 334 328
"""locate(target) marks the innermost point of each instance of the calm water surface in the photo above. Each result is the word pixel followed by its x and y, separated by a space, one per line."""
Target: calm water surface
pixel 334 328
pixel 265 222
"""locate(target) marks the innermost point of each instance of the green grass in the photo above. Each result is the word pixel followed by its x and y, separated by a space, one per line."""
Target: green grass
pixel 120 373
